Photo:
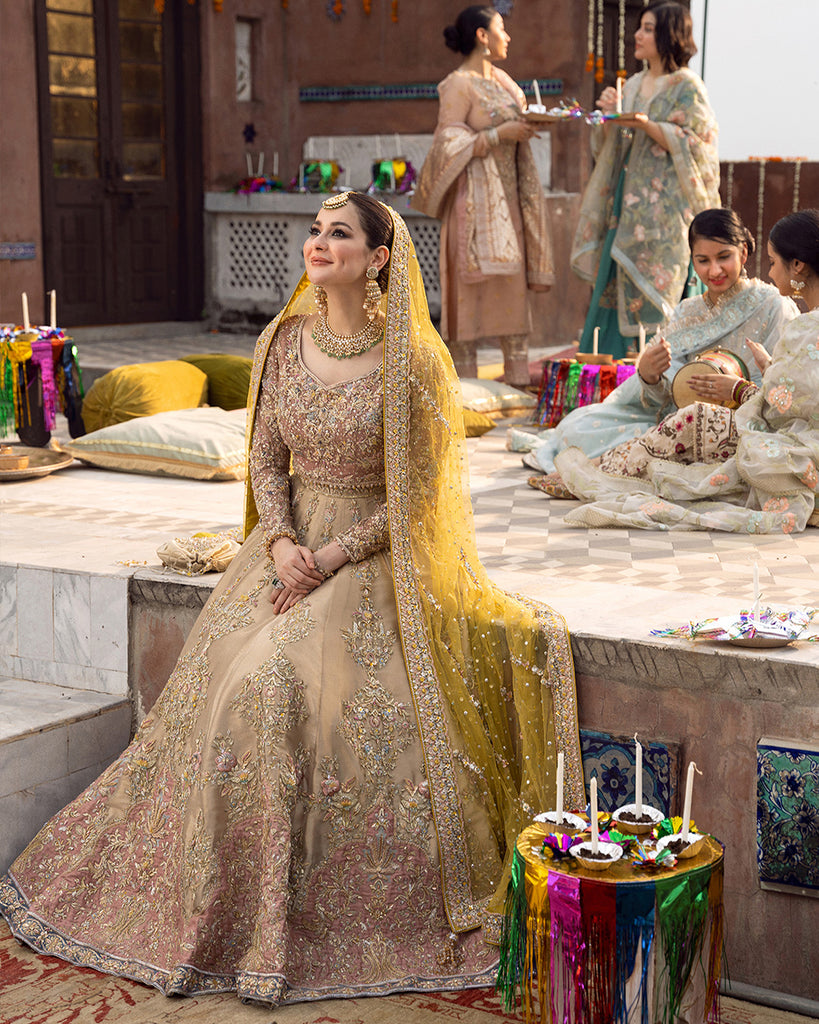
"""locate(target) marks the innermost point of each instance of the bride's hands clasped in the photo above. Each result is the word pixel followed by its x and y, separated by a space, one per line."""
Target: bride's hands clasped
pixel 300 570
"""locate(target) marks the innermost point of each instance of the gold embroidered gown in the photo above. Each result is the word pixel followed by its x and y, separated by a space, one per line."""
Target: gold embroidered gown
pixel 295 819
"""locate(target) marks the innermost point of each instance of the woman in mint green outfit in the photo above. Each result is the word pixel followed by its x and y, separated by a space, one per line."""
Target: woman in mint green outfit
pixel 656 167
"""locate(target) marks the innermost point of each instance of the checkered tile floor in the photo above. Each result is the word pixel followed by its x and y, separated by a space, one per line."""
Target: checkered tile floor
pixel 521 529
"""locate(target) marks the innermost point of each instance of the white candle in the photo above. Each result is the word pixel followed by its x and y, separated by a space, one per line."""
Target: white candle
pixel 756 593
pixel 397 145
pixel 249 163
pixel 536 87
pixel 595 838
pixel 275 165
pixel 301 177
pixel 26 321
pixel 53 309
pixel 596 341
pixel 347 177
pixel 392 176
pixel 330 147
pixel 559 789
pixel 619 95
pixel 638 777
pixel 310 149
pixel 261 165
pixel 641 339
pixel 689 785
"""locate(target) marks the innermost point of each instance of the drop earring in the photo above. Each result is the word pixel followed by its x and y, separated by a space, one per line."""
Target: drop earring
pixel 320 299
pixel 372 294
pixel 796 288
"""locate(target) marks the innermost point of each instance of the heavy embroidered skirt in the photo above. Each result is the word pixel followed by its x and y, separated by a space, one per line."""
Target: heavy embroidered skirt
pixel 269 829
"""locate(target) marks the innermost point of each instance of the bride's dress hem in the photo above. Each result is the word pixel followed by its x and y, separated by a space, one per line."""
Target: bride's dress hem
pixel 187 980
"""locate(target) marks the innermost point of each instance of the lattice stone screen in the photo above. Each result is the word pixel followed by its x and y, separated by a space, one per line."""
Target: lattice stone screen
pixel 254 249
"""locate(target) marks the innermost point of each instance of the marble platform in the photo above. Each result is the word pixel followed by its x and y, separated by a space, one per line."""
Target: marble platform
pixel 85 606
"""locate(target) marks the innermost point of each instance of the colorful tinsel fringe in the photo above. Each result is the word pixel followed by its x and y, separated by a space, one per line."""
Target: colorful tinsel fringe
pixel 576 941
pixel 568 384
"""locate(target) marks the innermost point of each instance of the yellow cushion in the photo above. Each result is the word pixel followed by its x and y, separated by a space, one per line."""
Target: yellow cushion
pixel 203 444
pixel 476 423
pixel 228 378
pixel 143 389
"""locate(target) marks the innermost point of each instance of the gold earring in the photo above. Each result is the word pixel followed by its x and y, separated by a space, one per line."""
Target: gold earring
pixel 320 299
pixel 372 294
pixel 796 288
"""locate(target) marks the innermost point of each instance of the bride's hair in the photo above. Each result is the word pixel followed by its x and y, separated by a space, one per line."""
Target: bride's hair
pixel 796 237
pixel 377 225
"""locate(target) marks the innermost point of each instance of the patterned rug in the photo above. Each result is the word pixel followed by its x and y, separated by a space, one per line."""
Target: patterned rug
pixel 43 990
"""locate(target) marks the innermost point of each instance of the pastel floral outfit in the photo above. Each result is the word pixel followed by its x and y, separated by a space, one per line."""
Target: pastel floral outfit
pixel 495 237
pixel 320 803
pixel 707 468
pixel 632 234
pixel 751 309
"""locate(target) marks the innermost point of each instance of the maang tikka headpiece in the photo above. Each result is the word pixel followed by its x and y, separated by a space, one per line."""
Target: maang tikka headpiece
pixel 334 202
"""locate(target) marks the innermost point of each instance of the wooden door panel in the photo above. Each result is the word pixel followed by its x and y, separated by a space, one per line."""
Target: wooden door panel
pixel 112 193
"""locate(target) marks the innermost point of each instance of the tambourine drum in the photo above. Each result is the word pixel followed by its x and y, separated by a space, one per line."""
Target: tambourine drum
pixel 715 360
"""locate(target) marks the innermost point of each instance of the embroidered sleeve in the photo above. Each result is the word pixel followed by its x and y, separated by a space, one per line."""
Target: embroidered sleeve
pixel 269 461
pixel 367 537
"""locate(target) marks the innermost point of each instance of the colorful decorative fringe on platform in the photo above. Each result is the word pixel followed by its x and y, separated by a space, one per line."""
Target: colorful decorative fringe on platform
pixel 568 385
pixel 39 375
pixel 576 941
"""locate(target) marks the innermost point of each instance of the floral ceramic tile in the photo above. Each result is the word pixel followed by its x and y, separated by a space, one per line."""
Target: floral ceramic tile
pixel 787 819
pixel 611 759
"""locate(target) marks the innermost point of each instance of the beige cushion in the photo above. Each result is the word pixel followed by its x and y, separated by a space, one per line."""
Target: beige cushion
pixel 142 389
pixel 495 398
pixel 203 444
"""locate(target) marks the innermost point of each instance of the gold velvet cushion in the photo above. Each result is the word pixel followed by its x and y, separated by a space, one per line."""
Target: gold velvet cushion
pixel 494 398
pixel 142 389
pixel 202 444
pixel 228 378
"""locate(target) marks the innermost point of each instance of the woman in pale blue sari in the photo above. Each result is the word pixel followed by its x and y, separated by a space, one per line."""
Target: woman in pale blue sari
pixel 732 309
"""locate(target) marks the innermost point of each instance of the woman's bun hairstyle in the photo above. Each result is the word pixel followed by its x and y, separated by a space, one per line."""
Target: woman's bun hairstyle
pixel 460 37
pixel 796 237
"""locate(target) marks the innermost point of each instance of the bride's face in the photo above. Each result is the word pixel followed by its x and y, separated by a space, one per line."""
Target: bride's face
pixel 336 251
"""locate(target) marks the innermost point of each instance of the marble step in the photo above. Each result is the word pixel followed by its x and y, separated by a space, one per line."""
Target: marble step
pixel 54 741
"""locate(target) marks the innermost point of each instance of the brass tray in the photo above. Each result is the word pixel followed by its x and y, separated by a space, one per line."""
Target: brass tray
pixel 41 462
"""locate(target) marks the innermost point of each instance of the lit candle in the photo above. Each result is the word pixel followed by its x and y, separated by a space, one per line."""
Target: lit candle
pixel 53 309
pixel 638 778
pixel 249 163
pixel 559 789
pixel 689 785
pixel 275 165
pixel 595 838
pixel 641 340
pixel 261 165
pixel 596 341
pixel 756 593
pixel 619 107
pixel 536 87
pixel 26 321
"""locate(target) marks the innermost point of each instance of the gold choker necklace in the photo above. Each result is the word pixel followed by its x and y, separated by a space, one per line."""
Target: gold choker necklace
pixel 345 346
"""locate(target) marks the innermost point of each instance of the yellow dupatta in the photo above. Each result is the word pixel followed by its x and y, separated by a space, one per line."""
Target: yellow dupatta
pixel 491 675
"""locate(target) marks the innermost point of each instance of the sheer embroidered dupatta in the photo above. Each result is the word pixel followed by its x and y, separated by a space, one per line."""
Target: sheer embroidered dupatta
pixel 491 675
